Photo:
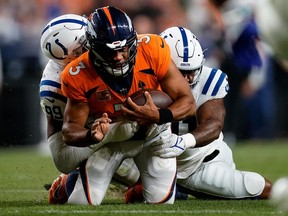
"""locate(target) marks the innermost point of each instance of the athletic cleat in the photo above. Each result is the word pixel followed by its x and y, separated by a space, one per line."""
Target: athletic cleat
pixel 134 193
pixel 180 195
pixel 57 192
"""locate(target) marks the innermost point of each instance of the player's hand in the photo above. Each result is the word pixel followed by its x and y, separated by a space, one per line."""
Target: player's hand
pixel 168 146
pixel 121 131
pixel 144 115
pixel 100 127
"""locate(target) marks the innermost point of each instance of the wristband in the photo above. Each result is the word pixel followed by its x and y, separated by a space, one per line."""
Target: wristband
pixel 89 138
pixel 165 115
pixel 189 140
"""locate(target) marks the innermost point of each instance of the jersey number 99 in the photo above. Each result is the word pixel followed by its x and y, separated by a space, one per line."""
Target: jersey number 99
pixel 55 112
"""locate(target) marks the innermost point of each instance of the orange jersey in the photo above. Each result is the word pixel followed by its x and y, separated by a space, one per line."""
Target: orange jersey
pixel 81 82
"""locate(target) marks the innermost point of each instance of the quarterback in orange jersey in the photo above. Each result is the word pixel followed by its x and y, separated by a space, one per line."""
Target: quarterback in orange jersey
pixel 94 85
pixel 118 64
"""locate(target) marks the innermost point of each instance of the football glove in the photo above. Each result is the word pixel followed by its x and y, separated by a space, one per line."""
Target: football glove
pixel 119 131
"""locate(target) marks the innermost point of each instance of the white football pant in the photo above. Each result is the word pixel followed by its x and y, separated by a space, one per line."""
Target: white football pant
pixel 219 177
pixel 67 158
pixel 157 175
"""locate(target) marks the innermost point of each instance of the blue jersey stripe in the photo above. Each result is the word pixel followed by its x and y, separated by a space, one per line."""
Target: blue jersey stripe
pixel 53 95
pixel 51 83
pixel 185 44
pixel 209 81
pixel 218 84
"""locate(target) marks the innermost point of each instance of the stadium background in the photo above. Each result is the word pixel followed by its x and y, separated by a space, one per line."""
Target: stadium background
pixel 21 118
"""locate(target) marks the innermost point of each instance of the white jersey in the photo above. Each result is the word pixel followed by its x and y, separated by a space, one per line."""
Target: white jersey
pixel 52 100
pixel 212 84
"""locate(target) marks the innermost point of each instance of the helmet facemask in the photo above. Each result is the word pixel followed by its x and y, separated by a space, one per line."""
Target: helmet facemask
pixel 196 74
pixel 104 57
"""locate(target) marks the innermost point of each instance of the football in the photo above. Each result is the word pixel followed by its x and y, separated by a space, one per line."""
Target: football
pixel 160 98
pixel 279 194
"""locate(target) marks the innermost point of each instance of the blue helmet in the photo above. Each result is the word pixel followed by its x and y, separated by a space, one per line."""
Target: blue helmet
pixel 110 29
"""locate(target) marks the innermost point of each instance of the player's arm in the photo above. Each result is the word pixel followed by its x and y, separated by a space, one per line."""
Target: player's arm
pixel 175 85
pixel 210 116
pixel 53 126
pixel 74 131
pixel 75 116
pixel 178 89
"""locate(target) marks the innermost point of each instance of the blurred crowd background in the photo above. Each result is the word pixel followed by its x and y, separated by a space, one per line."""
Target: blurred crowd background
pixel 231 32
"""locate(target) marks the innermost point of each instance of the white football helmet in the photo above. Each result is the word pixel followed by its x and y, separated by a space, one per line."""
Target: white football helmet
pixel 186 50
pixel 63 38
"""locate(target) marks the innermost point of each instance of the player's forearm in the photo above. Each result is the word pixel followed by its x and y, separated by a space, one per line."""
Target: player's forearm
pixel 206 133
pixel 183 108
pixel 76 135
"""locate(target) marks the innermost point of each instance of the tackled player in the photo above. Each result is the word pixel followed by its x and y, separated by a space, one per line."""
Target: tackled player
pixel 118 64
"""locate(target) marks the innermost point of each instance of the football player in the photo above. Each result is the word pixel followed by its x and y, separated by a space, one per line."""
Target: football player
pixel 63 40
pixel 205 166
pixel 118 64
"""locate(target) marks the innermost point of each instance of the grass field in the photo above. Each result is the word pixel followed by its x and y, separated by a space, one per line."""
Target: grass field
pixel 25 171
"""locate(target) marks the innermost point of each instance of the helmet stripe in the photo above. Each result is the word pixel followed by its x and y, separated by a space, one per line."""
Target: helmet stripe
pixel 80 22
pixel 185 44
pixel 108 14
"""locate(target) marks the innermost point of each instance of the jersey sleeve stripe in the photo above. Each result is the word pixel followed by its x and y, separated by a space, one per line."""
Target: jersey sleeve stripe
pixel 53 95
pixel 209 81
pixel 218 84
pixel 50 83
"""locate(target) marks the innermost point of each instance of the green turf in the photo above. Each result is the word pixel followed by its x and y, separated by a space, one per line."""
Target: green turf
pixel 24 172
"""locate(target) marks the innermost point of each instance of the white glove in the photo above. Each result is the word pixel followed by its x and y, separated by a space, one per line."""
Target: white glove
pixel 154 130
pixel 171 145
pixel 121 131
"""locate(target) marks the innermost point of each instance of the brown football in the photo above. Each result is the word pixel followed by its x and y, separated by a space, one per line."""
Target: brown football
pixel 160 98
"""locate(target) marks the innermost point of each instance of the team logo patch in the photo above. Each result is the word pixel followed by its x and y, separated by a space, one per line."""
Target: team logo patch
pixel 103 95
pixel 117 107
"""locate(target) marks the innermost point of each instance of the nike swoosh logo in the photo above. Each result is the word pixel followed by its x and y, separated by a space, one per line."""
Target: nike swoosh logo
pixel 162 44
pixel 50 100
